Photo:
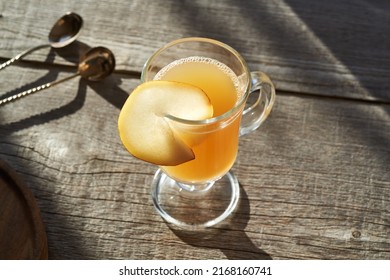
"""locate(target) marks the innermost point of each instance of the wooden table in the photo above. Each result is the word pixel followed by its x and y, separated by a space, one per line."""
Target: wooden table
pixel 315 177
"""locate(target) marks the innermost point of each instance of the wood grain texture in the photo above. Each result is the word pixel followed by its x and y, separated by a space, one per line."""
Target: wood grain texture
pixel 314 178
pixel 329 48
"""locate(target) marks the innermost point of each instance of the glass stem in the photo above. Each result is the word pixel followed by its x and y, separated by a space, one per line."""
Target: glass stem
pixel 195 188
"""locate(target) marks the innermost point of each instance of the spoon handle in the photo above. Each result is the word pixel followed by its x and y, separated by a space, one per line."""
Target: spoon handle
pixel 22 54
pixel 34 90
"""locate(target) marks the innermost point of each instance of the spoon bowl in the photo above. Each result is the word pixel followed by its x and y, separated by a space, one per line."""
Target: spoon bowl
pixel 95 65
pixel 64 32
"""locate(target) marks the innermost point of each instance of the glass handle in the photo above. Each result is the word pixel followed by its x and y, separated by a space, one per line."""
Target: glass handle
pixel 256 112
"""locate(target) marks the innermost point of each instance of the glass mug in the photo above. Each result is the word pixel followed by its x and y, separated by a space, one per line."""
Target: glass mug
pixel 203 192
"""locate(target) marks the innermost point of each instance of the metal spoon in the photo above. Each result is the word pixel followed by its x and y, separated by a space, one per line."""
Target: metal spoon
pixel 63 32
pixel 95 65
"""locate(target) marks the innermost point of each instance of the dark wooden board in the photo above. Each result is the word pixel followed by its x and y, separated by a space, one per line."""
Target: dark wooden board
pixel 22 233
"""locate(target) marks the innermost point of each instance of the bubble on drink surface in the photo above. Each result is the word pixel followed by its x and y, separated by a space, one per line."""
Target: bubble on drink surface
pixel 200 59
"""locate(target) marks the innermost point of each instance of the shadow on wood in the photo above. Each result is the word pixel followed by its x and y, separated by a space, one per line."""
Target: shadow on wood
pixel 108 89
pixel 230 237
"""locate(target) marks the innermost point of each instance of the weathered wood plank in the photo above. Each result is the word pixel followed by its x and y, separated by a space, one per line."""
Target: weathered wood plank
pixel 315 178
pixel 333 48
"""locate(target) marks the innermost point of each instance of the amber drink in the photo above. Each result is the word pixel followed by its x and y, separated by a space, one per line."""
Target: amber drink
pixel 215 149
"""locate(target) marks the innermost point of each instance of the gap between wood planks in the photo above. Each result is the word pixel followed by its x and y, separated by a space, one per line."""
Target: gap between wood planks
pixel 320 96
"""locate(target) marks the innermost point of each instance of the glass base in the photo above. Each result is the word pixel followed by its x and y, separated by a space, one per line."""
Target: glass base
pixel 195 206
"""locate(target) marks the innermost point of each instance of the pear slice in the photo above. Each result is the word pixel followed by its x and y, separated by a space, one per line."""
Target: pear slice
pixel 144 129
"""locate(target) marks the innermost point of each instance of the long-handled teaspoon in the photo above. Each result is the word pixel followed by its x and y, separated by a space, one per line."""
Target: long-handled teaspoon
pixel 63 32
pixel 95 65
